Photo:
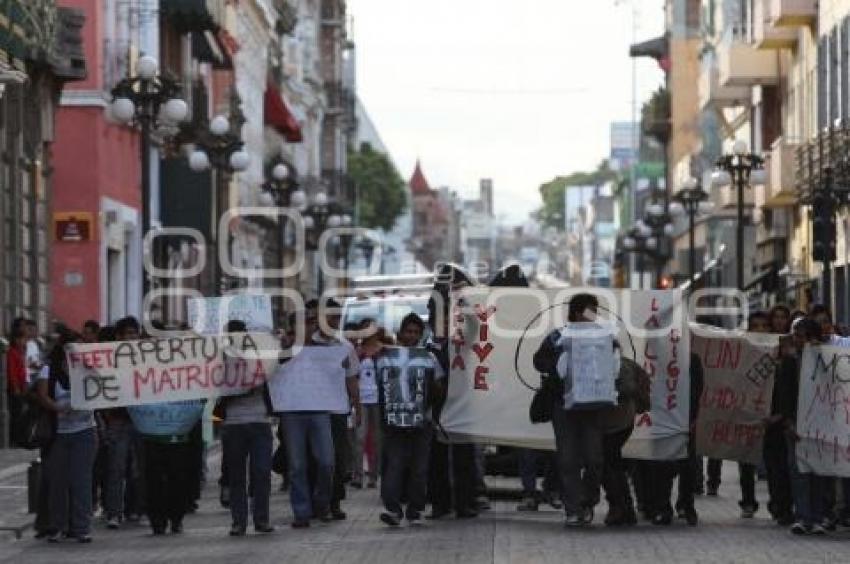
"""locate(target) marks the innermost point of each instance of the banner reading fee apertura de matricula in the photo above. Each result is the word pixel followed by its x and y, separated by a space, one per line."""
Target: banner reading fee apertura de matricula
pixel 495 333
pixel 738 374
pixel 187 367
pixel 823 411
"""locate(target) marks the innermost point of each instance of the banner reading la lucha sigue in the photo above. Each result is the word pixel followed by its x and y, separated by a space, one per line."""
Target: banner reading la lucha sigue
pixel 738 373
pixel 495 333
pixel 127 373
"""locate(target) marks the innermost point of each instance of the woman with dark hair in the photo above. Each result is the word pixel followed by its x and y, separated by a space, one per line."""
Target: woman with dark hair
pixel 70 461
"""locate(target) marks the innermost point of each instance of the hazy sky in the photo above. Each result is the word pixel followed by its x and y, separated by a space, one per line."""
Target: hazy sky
pixel 518 91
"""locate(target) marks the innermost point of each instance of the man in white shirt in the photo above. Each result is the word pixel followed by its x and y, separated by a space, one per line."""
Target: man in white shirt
pixel 309 431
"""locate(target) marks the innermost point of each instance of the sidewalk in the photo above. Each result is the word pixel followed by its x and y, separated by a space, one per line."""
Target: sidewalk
pixel 13 491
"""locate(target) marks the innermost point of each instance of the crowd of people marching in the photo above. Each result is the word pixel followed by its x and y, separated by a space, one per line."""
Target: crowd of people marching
pixel 108 463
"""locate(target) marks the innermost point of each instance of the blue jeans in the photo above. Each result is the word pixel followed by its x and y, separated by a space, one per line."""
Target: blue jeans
pixel 309 434
pixel 70 464
pixel 807 490
pixel 249 443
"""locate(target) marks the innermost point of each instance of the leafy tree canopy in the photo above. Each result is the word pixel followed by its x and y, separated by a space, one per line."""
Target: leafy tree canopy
pixel 552 193
pixel 381 190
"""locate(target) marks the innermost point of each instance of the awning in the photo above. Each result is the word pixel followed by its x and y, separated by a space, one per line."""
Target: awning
pixel 193 15
pixel 278 115
pixel 207 47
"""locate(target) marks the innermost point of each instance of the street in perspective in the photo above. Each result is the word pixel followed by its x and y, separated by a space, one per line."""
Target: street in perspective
pixel 425 281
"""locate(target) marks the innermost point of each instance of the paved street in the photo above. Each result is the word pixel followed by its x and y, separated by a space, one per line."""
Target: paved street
pixel 501 535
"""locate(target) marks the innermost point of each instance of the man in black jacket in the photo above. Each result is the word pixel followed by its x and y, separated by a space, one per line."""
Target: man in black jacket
pixel 578 434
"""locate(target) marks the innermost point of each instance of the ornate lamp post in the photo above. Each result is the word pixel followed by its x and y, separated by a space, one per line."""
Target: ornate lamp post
pixel 659 221
pixel 693 201
pixel 218 145
pixel 741 169
pixel 147 100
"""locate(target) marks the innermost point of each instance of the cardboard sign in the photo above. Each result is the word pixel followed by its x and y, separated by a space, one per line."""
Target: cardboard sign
pixel 312 380
pixel 405 376
pixel 150 371
pixel 738 372
pixel 823 412
pixel 209 316
pixel 591 370
pixel 495 333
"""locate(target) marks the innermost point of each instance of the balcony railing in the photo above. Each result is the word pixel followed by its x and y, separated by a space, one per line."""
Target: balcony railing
pixel 780 163
pixel 741 64
pixel 766 35
pixel 713 94
pixel 792 12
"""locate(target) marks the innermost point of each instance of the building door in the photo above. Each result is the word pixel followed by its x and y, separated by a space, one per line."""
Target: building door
pixel 116 284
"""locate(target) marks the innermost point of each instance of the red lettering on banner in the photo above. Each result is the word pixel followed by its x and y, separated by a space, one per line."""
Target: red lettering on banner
pixel 457 363
pixel 140 380
pixel 644 420
pixel 482 332
pixel 726 353
pixel 484 314
pixel 482 352
pixel 480 381
pixel 193 374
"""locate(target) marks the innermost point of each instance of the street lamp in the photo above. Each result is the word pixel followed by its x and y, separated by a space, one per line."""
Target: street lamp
pixel 741 169
pixel 147 100
pixel 656 226
pixel 691 200
pixel 218 145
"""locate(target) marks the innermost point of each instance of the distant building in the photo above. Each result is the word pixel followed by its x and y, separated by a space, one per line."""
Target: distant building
pixel 430 221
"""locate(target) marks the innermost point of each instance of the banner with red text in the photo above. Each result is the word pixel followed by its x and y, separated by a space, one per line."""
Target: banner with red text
pixel 187 367
pixel 496 331
pixel 823 411
pixel 738 373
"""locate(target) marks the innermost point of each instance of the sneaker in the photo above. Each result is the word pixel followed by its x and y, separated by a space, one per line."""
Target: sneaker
pixel 263 528
pixel 663 518
pixel 113 523
pixel 817 529
pixel 798 528
pixel 237 531
pixel 482 503
pixel 573 521
pixel 338 515
pixel 391 519
pixel 55 537
pixel 748 512
pixel 586 515
pixel 691 517
pixel 414 520
pixel 301 524
pixel 829 524
pixel 711 491
pixel 528 504
pixel 84 539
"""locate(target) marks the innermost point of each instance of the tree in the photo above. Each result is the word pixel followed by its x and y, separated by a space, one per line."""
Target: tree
pixel 552 193
pixel 380 189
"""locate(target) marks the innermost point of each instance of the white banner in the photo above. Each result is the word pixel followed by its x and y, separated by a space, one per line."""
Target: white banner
pixel 209 316
pixel 312 380
pixel 738 375
pixel 823 411
pixel 125 373
pixel 495 333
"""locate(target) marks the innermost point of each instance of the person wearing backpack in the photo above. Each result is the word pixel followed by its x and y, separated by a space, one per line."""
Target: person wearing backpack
pixel 407 376
pixel 618 422
pixel 578 434
pixel 70 460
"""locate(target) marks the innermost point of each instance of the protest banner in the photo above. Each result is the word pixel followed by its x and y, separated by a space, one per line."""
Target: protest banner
pixel 173 418
pixel 312 380
pixel 495 333
pixel 125 373
pixel 405 375
pixel 823 411
pixel 738 374
pixel 209 316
